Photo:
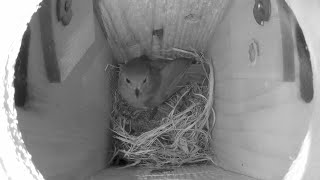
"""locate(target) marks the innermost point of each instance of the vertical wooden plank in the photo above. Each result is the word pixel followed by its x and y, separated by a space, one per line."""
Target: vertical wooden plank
pixel 186 24
pixel 285 15
pixel 116 49
pixel 48 43
pixel 73 41
pixel 63 46
pixel 139 16
pixel 254 107
pixel 158 29
pixel 171 23
pixel 113 25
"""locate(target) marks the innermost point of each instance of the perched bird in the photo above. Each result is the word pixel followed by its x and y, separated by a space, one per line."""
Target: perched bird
pixel 146 83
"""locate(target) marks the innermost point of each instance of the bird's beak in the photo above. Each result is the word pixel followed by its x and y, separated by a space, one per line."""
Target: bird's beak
pixel 137 92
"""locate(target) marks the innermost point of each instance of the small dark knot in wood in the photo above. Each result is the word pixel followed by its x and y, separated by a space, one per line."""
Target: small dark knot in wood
pixel 158 33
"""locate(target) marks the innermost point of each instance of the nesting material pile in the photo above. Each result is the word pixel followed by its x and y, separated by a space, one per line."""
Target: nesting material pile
pixel 179 134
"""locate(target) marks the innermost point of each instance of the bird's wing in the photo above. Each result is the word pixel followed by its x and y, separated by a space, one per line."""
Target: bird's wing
pixel 196 73
pixel 159 64
pixel 171 75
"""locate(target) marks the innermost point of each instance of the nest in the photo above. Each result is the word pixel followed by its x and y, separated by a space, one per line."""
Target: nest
pixel 179 134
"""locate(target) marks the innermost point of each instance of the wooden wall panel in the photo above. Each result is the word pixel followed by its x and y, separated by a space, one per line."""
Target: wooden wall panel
pixel 261 119
pixel 49 46
pixel 64 46
pixel 186 24
pixel 65 126
pixel 73 41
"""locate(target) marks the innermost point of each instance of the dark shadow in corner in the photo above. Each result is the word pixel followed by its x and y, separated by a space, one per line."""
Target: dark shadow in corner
pixel 21 70
pixel 306 75
pixel 305 68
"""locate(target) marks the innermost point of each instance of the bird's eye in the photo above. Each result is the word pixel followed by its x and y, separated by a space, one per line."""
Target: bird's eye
pixel 128 81
pixel 145 80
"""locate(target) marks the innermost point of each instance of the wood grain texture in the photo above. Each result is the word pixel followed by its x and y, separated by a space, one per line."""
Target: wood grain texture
pixel 200 172
pixel 186 24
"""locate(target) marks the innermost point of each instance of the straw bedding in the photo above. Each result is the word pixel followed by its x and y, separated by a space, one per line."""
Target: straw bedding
pixel 179 134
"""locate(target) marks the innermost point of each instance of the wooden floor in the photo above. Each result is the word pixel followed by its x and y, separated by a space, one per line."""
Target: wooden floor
pixel 190 173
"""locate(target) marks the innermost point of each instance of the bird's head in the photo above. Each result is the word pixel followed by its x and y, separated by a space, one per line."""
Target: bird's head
pixel 135 77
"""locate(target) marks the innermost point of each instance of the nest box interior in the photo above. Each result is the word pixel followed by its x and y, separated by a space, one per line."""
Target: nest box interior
pixel 263 94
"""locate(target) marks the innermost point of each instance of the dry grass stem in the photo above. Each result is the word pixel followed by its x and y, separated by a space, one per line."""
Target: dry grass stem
pixel 179 134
